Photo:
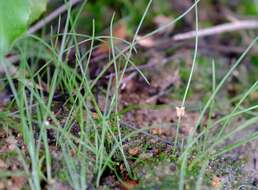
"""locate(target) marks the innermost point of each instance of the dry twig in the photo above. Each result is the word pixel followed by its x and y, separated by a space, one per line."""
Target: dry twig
pixel 219 29
pixel 52 16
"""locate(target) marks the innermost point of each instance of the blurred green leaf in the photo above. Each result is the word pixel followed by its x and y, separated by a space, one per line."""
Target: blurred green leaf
pixel 254 60
pixel 14 16
pixel 37 8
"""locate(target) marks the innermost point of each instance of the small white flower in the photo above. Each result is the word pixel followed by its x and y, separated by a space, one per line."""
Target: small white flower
pixel 46 122
pixel 180 111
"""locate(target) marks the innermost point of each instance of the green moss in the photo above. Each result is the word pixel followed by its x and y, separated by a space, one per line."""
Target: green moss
pixel 8 155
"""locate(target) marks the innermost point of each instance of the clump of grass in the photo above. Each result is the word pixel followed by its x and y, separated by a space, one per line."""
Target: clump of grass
pixel 88 154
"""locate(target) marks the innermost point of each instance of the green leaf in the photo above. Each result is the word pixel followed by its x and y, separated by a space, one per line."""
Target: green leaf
pixel 14 17
pixel 37 8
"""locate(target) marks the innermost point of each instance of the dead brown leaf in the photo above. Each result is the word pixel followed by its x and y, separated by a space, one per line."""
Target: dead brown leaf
pixel 129 184
pixel 156 131
pixel 216 182
pixel 119 31
pixel 134 151
pixel 145 42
